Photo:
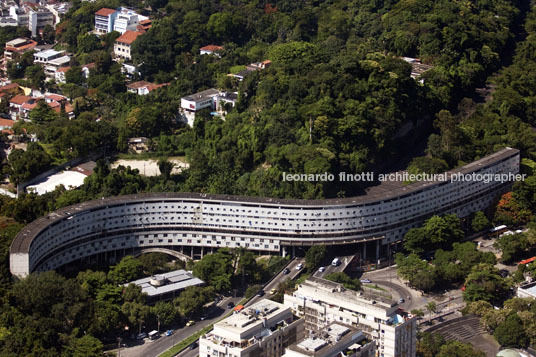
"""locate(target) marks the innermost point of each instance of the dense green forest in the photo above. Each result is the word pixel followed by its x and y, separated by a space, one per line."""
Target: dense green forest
pixel 336 98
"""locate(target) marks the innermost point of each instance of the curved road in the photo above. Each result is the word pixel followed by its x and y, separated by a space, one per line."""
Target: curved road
pixel 400 290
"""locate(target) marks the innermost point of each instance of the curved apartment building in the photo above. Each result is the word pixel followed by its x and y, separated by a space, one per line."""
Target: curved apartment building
pixel 171 220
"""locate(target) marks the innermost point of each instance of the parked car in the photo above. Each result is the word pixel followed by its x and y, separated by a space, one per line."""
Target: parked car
pixel 336 262
pixel 322 269
pixel 401 300
pixel 190 323
pixel 230 305
pixel 194 345
pixel 169 332
pixel 299 266
pixel 366 281
pixel 260 293
pixel 286 271
pixel 273 291
pixel 141 336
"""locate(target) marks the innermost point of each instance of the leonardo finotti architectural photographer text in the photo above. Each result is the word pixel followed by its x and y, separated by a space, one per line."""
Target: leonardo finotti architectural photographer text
pixel 403 177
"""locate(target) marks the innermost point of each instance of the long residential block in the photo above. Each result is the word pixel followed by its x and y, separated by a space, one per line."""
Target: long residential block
pixel 170 220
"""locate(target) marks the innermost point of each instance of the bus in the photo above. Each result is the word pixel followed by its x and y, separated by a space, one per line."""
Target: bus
pixel 496 231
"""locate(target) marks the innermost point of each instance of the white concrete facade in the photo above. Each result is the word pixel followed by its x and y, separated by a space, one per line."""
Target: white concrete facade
pixel 322 302
pixel 263 329
pixel 261 224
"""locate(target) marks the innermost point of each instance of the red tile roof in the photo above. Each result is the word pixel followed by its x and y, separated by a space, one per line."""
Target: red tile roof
pixel 20 99
pixel 63 69
pixel 156 86
pixel 55 97
pixel 9 86
pixel 68 108
pixel 212 48
pixel 128 37
pixel 138 85
pixel 6 122
pixel 105 12
pixel 29 106
pixel 30 44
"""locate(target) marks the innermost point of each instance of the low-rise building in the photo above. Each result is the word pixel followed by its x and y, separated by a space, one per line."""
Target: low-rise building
pixel 322 302
pixel 15 105
pixel 335 340
pixel 166 286
pixel 6 123
pixel 104 20
pixel 211 50
pixel 17 47
pixel 138 145
pixel 46 56
pixel 143 87
pixel 123 44
pixel 527 291
pixel 265 328
pixel 53 65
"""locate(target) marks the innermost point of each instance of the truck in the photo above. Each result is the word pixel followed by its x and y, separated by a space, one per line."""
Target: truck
pixel 153 335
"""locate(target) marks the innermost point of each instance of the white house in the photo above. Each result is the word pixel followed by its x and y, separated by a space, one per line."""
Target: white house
pixel 46 56
pixel 124 43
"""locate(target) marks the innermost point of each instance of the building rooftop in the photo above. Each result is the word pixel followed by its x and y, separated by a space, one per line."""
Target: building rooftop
pixel 344 294
pixel 48 53
pixel 19 99
pixel 252 317
pixel 105 12
pixel 138 85
pixel 6 122
pixel 20 44
pixel 529 289
pixel 60 60
pixel 211 48
pixel 330 341
pixel 128 37
pixel 200 96
pixel 168 282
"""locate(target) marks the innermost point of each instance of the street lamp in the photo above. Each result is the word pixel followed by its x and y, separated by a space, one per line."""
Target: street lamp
pixel 119 347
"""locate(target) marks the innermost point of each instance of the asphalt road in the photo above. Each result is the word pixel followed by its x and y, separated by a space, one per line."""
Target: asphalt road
pixel 154 348
pixel 279 279
pixel 334 269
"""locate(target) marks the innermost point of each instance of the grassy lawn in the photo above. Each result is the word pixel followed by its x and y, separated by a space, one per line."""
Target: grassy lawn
pixel 186 342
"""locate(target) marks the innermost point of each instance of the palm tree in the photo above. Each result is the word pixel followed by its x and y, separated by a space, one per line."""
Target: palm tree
pixel 431 307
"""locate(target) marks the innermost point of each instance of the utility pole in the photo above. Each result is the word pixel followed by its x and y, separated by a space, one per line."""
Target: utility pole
pixel 119 347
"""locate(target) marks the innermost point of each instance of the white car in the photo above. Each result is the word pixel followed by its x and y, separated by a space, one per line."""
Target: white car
pixel 322 269
pixel 299 266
